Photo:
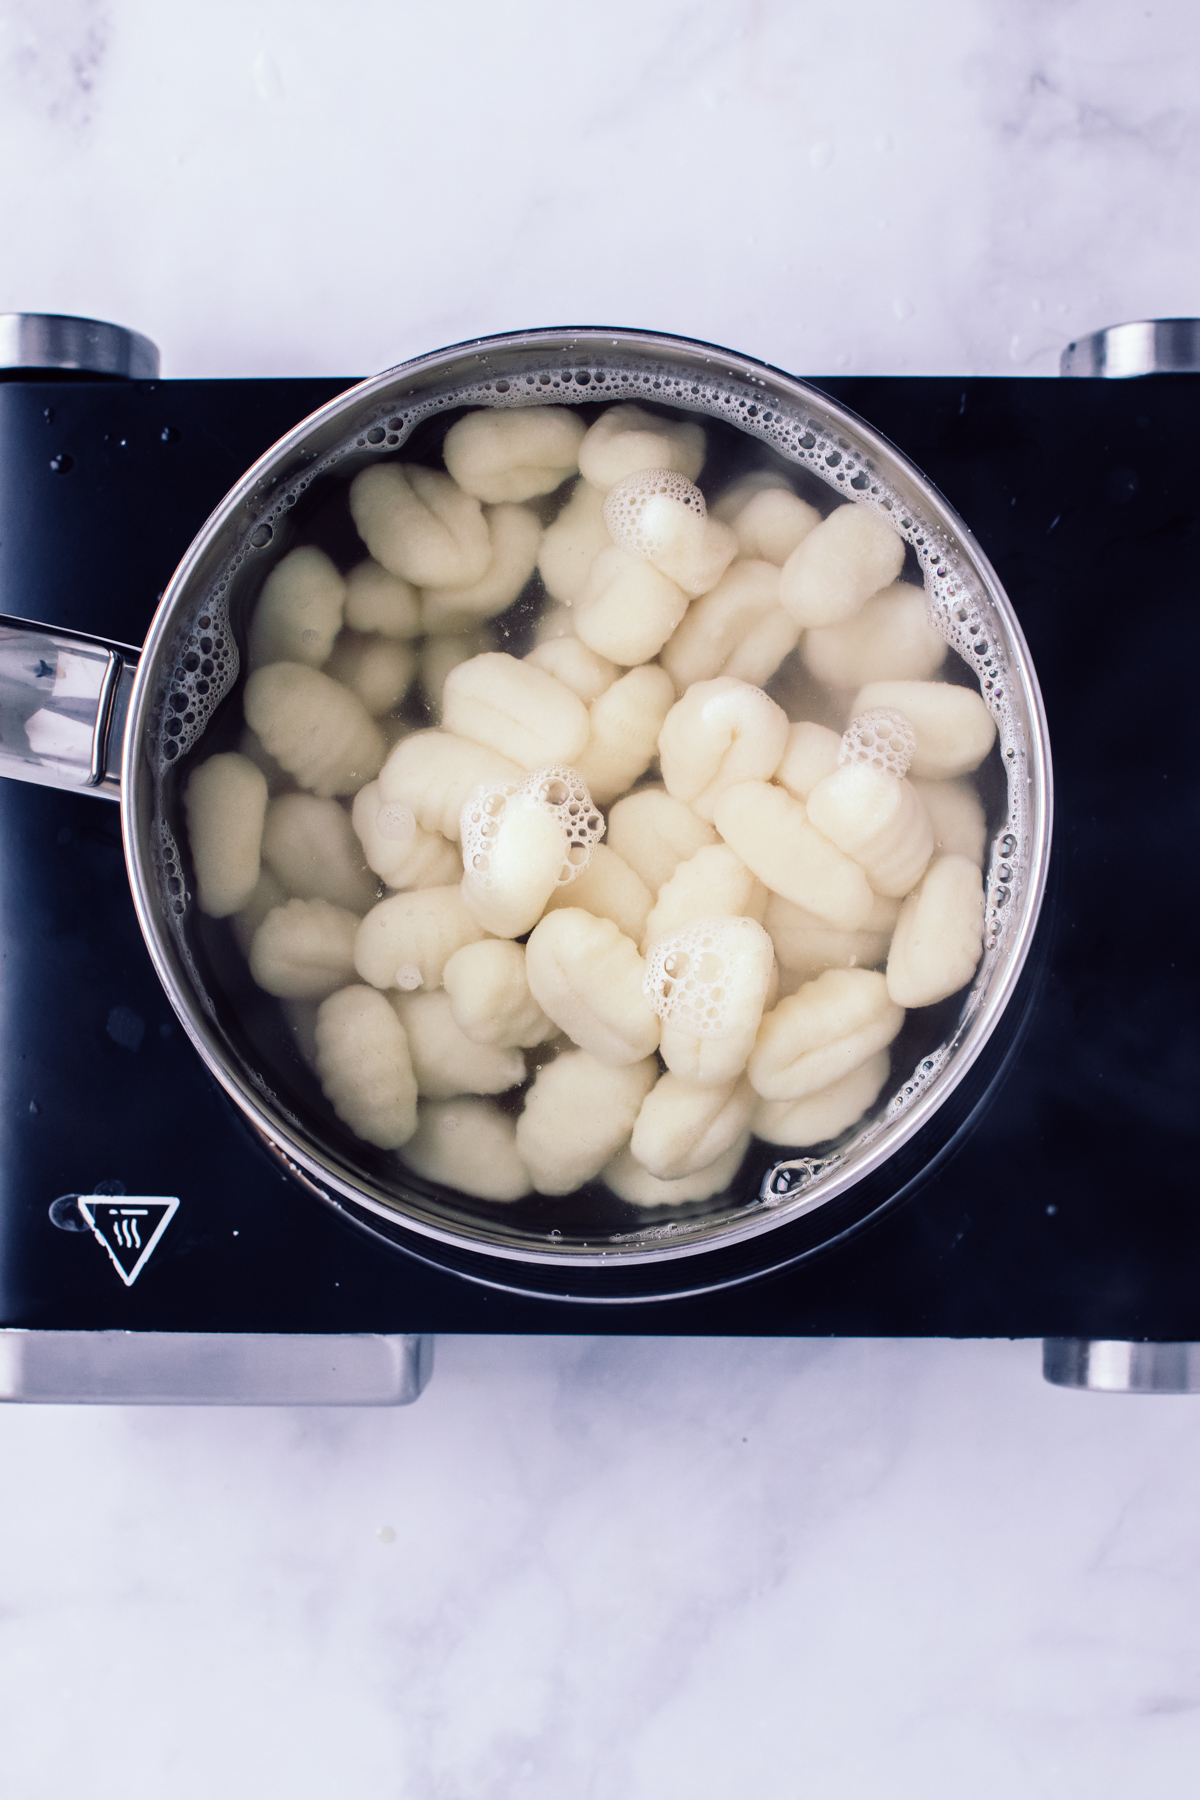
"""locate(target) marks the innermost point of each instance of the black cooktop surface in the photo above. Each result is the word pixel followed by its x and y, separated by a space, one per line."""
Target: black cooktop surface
pixel 1068 1209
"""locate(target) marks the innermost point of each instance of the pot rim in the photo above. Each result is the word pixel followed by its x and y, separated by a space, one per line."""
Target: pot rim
pixel 658 1243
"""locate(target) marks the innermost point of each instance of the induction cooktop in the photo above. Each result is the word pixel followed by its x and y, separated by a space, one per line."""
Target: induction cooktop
pixel 1066 1206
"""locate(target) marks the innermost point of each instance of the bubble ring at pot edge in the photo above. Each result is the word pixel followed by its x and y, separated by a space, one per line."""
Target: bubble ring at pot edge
pixel 957 598
pixel 202 665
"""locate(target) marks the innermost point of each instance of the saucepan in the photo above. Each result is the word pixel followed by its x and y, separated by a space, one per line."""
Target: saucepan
pixel 581 1172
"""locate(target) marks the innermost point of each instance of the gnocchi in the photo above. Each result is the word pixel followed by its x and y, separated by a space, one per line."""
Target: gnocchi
pixel 500 456
pixel 446 1062
pixel 491 997
pixel 816 1118
pixel 805 944
pixel 654 833
pixel 738 955
pixel 812 752
pixel 572 542
pixel 836 567
pixel 774 836
pixel 570 661
pixel 659 515
pixel 954 729
pixel 515 709
pixel 624 727
pixel 401 852
pixel 771 523
pixel 626 439
pixel 304 949
pixel 889 638
pixel 311 847
pixel 316 729
pixel 378 669
pixel 381 603
pixel 439 655
pixel 406 940
pixel 610 889
pixel 882 824
pixel 266 895
pixel 713 883
pixel 433 773
pixel 815 1036
pixel 299 612
pixel 579 1112
pixel 957 817
pixel 939 935
pixel 632 1182
pixel 225 803
pixel 513 860
pixel 627 609
pixel 514 538
pixel 469 1145
pixel 725 625
pixel 589 978
pixel 723 732
pixel 421 525
pixel 709 984
pixel 682 1128
pixel 364 1066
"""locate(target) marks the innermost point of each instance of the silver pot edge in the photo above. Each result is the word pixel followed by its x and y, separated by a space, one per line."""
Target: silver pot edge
pixel 236 514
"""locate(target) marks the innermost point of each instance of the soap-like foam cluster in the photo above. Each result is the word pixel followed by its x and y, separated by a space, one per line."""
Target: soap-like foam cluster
pixel 565 793
pixel 560 791
pixel 203 668
pixel 882 738
pixel 688 976
pixel 625 507
pixel 481 820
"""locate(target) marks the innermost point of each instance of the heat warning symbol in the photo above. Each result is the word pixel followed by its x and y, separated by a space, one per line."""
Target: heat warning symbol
pixel 129 1227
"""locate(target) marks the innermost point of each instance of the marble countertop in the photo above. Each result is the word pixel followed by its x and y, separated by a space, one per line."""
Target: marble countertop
pixel 634 1569
pixel 949 187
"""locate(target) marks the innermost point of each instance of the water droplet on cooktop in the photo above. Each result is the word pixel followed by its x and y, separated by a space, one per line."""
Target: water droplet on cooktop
pixel 64 1212
pixel 126 1028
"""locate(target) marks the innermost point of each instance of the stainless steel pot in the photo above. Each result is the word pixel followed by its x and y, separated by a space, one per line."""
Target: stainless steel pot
pixel 189 668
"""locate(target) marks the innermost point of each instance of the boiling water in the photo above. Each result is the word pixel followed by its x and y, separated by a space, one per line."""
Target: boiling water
pixel 199 712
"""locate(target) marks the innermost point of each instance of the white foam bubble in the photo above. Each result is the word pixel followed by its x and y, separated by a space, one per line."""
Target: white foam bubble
pixel 689 978
pixel 201 669
pixel 558 790
pixel 479 827
pixel 627 503
pixel 564 791
pixel 882 739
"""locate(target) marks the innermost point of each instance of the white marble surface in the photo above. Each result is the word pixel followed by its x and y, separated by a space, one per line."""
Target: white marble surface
pixel 627 1571
pixel 631 1570
pixel 284 186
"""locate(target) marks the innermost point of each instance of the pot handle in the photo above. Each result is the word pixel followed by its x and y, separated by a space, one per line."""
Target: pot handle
pixel 63 703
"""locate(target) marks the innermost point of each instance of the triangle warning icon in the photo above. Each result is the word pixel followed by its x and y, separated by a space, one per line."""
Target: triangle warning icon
pixel 129 1226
